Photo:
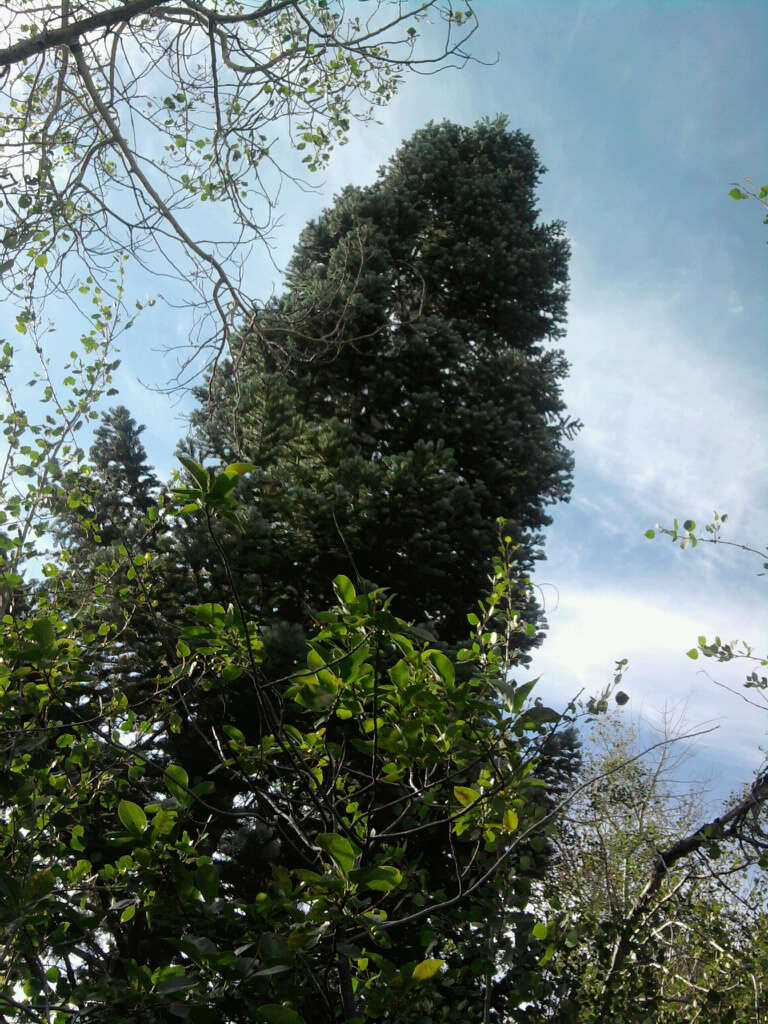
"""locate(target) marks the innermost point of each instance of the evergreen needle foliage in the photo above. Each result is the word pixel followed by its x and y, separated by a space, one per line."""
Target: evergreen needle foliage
pixel 440 408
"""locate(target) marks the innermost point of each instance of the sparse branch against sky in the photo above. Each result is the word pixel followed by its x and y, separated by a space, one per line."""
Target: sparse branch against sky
pixel 148 130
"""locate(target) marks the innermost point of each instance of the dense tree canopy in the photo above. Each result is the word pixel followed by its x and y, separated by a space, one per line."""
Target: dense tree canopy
pixel 120 488
pixel 187 862
pixel 441 409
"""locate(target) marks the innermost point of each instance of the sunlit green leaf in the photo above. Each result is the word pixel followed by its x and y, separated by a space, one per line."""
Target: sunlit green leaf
pixel 341 850
pixel 426 969
pixel 344 589
pixel 510 820
pixel 132 816
pixel 465 795
pixel 444 667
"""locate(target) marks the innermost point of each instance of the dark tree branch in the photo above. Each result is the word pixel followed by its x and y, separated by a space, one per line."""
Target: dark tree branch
pixel 70 34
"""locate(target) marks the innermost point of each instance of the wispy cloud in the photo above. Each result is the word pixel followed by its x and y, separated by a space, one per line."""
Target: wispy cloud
pixel 669 422
pixel 591 629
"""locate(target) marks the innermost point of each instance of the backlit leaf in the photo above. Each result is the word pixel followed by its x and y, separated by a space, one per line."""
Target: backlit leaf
pixel 341 850
pixel 426 969
pixel 132 816
pixel 465 795
pixel 511 820
pixel 444 667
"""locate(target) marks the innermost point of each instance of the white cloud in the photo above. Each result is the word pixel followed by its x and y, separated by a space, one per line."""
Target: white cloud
pixel 669 423
pixel 591 629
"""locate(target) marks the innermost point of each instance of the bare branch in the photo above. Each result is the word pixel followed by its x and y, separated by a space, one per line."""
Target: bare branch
pixel 160 129
pixel 69 34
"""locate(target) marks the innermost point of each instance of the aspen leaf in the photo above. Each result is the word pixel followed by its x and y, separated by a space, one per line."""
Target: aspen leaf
pixel 426 969
pixel 465 795
pixel 132 816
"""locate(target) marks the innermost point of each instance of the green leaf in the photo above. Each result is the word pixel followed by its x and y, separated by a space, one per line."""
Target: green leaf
pixel 521 694
pixel 541 716
pixel 316 692
pixel 177 983
pixel 276 1013
pixel 80 870
pixel 344 590
pixel 221 486
pixel 650 534
pixel 736 193
pixel 315 660
pixel 693 654
pixel 444 667
pixel 164 822
pixel 426 969
pixel 196 471
pixel 41 260
pixel 132 816
pixel 207 881
pixel 177 783
pixel 400 673
pixel 128 913
pixel 199 946
pixel 341 850
pixel 239 468
pixel 269 971
pixel 540 931
pixel 465 795
pixel 511 820
pixel 549 952
pixel 382 878
pixel 621 698
pixel 210 614
pixel 43 633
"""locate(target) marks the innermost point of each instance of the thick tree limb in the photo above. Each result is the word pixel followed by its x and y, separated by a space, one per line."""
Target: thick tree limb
pixel 71 33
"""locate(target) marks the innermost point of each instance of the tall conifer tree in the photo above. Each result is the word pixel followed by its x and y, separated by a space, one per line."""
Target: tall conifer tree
pixel 119 492
pixel 402 395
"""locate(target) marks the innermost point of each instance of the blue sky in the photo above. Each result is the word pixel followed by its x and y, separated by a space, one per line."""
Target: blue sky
pixel 644 113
